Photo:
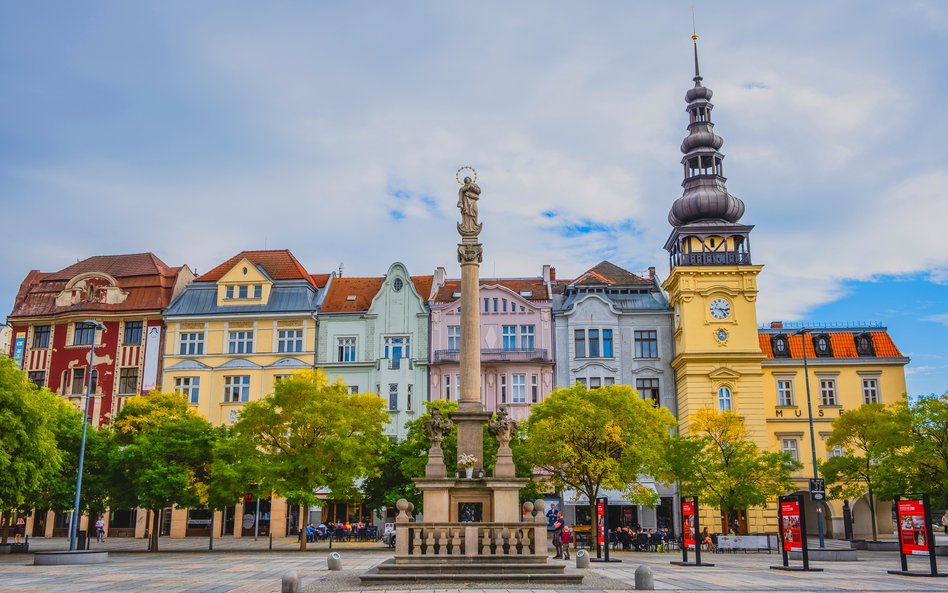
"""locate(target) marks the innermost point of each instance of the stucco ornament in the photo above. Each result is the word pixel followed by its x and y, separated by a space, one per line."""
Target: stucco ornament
pixel 468 195
pixel 436 427
pixel 502 426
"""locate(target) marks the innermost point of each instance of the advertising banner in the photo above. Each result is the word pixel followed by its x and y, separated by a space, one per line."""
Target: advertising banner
pixel 152 352
pixel 790 528
pixel 912 531
pixel 19 346
pixel 601 521
pixel 688 524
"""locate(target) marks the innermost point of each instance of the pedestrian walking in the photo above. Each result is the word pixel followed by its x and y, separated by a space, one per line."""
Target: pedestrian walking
pixel 100 530
pixel 19 529
pixel 558 525
pixel 944 522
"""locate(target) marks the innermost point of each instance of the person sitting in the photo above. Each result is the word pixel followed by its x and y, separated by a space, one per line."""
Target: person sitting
pixel 310 533
pixel 707 541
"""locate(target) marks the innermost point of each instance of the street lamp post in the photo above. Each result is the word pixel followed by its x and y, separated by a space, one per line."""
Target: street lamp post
pixel 809 412
pixel 74 524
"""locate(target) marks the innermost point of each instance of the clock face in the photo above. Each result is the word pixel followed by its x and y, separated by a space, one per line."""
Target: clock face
pixel 721 335
pixel 719 309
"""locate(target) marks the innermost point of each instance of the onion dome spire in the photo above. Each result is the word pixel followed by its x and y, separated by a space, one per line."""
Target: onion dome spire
pixel 705 196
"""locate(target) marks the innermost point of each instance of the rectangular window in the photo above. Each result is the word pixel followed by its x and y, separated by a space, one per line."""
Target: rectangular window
pixel 257 291
pixel 607 381
pixel 790 446
pixel 353 389
pixel 595 382
pixel 189 386
pixel 534 388
pixel 83 334
pixel 242 291
pixel 527 337
pixel 784 393
pixel 192 344
pixel 241 342
pixel 648 389
pixel 486 305
pixel 510 338
pixel 454 338
pixel 133 332
pixel 393 396
pixel 503 389
pixel 346 349
pixel 580 341
pixel 237 389
pixel 827 392
pixel 593 343
pixel 78 381
pixel 290 340
pixel 408 394
pixel 646 344
pixel 581 381
pixel 41 336
pixel 229 292
pixel 518 389
pixel 395 350
pixel 836 451
pixel 128 381
pixel 447 387
pixel 495 304
pixel 504 308
pixel 607 343
pixel 38 377
pixel 870 391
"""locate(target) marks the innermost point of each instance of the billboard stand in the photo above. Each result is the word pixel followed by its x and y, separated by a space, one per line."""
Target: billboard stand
pixel 690 531
pixel 791 523
pixel 602 531
pixel 916 537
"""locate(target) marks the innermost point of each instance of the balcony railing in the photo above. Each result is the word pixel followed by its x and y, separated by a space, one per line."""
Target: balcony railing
pixel 496 355
pixel 711 258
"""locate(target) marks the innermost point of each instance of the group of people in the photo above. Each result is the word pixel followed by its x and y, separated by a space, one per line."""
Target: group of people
pixel 640 539
pixel 339 530
pixel 562 537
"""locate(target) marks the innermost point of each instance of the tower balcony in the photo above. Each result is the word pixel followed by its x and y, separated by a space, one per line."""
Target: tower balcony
pixel 711 258
pixel 489 355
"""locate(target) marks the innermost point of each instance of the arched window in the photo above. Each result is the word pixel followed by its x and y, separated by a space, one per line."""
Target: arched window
pixel 724 399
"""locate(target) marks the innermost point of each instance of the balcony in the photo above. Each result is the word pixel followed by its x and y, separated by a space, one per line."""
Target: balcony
pixel 711 258
pixel 496 355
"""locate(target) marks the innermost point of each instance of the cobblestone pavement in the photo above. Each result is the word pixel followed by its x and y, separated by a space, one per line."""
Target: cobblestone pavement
pixel 245 566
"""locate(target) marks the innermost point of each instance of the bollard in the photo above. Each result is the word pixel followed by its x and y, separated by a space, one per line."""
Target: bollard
pixel 334 561
pixel 291 582
pixel 644 579
pixel 582 559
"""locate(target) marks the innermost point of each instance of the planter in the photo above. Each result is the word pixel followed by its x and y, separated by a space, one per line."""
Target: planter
pixel 469 472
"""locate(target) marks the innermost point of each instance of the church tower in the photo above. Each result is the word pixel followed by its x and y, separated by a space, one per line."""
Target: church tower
pixel 712 284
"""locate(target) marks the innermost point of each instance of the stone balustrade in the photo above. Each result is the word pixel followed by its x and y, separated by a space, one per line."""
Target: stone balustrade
pixel 492 542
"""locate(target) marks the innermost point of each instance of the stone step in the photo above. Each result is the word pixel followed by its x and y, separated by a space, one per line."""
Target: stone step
pixel 384 578
pixel 468 568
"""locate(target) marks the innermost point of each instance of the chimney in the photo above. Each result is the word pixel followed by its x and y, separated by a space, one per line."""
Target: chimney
pixel 776 325
pixel 546 273
pixel 439 276
pixel 651 271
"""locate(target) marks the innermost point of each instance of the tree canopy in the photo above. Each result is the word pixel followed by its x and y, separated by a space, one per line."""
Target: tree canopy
pixel 313 434
pixel 718 463
pixel 605 438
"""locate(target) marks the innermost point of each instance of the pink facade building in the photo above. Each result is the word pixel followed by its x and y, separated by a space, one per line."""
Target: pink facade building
pixel 516 341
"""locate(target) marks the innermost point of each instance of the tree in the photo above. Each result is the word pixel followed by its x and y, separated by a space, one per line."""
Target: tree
pixel 588 440
pixel 164 451
pixel 869 435
pixel 310 434
pixel 717 463
pixel 920 466
pixel 29 457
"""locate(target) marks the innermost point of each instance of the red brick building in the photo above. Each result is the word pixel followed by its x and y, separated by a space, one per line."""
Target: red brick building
pixel 127 294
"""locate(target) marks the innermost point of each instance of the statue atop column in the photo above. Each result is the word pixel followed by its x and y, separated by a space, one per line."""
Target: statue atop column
pixel 436 428
pixel 468 195
pixel 503 427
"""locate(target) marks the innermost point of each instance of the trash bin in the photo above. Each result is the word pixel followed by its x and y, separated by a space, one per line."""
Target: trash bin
pixel 81 543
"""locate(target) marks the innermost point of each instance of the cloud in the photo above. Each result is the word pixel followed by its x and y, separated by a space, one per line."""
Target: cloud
pixel 940 318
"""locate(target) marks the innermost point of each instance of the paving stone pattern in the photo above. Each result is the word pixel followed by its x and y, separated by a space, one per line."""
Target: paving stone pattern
pixel 245 566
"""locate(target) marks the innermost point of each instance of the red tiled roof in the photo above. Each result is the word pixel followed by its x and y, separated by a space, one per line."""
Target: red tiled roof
pixel 148 281
pixel 320 280
pixel 611 275
pixel 517 285
pixel 843 345
pixel 423 285
pixel 363 289
pixel 279 264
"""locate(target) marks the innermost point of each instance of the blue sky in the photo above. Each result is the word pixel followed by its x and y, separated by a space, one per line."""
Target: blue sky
pixel 196 130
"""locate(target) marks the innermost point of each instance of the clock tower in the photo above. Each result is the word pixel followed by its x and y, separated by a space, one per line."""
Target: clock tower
pixel 712 284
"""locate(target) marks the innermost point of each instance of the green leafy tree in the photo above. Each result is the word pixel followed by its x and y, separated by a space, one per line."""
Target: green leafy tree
pixel 29 457
pixel 870 435
pixel 718 463
pixel 593 439
pixel 310 434
pixel 164 451
pixel 921 465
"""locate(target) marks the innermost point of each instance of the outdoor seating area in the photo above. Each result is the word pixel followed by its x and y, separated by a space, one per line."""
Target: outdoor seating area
pixel 342 533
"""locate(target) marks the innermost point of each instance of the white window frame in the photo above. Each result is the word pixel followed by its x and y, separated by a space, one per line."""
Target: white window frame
pixel 347 349
pixel 828 395
pixel 870 390
pixel 528 337
pixel 236 389
pixel 791 446
pixel 447 387
pixel 190 387
pixel 454 338
pixel 835 451
pixel 518 388
pixel 191 340
pixel 785 393
pixel 290 340
pixel 725 399
pixel 509 337
pixel 534 388
pixel 393 397
pixel 240 341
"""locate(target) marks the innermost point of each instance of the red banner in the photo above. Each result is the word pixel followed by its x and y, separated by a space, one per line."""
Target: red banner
pixel 912 532
pixel 790 529
pixel 601 520
pixel 688 524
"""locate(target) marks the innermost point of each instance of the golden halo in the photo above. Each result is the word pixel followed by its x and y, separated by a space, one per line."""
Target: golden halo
pixel 457 176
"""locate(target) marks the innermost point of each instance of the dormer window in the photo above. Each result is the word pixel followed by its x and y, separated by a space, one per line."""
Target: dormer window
pixel 780 346
pixel 864 345
pixel 244 292
pixel 821 344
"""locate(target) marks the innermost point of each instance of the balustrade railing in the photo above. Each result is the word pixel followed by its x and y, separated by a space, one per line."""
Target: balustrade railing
pixel 497 355
pixel 427 541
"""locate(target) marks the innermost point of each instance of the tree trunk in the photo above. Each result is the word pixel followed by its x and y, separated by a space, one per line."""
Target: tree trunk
pixel 872 518
pixel 301 528
pixel 155 525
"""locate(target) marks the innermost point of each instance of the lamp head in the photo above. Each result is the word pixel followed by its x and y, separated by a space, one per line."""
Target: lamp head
pixel 95 323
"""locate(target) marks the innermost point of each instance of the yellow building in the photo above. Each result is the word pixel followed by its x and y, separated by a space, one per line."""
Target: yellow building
pixel 847 366
pixel 722 361
pixel 232 334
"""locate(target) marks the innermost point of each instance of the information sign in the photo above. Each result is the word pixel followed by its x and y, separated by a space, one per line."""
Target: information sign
pixel 791 534
pixel 913 535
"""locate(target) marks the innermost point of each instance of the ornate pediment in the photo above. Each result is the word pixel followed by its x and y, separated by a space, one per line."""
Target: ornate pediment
pixel 91 287
pixel 724 373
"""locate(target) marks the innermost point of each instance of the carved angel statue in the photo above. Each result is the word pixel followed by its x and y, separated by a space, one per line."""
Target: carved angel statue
pixel 436 427
pixel 502 427
pixel 467 202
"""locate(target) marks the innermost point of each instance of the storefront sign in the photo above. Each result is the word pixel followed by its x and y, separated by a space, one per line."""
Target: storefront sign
pixel 790 527
pixel 913 535
pixel 19 346
pixel 688 523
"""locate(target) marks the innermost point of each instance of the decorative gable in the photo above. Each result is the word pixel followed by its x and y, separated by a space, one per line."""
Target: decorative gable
pixel 244 284
pixel 91 287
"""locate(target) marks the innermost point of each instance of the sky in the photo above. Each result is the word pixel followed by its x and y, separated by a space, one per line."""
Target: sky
pixel 195 130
